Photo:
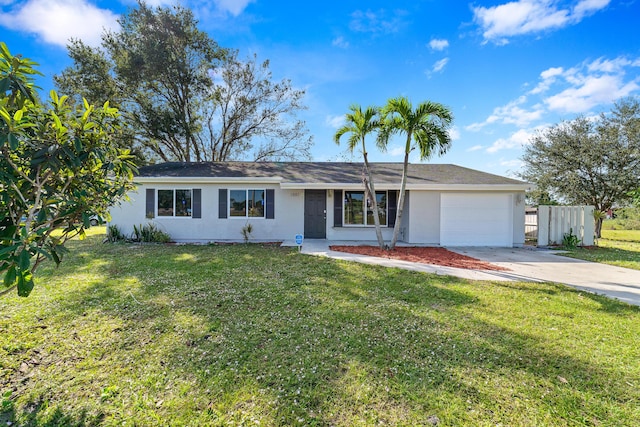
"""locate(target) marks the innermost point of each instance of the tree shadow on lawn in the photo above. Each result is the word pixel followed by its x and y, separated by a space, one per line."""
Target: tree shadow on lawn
pixel 282 337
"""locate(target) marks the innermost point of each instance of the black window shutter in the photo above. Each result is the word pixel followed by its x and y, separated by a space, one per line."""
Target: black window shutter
pixel 270 211
pixel 151 203
pixel 197 203
pixel 393 206
pixel 222 203
pixel 337 208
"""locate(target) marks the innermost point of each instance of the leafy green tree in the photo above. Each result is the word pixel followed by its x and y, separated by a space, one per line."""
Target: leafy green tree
pixel 59 165
pixel 183 97
pixel 91 78
pixel 359 124
pixel 589 161
pixel 156 69
pixel 635 196
pixel 426 128
pixel 251 115
pixel 539 196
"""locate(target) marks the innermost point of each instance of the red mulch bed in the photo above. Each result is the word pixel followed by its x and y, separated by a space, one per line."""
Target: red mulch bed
pixel 425 255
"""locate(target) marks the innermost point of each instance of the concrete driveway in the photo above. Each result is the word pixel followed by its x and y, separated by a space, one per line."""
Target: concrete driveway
pixel 524 264
pixel 547 266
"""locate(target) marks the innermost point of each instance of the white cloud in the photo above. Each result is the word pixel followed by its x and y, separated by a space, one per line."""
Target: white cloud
pixel 475 148
pixel 396 150
pixel 611 65
pixel 548 78
pixel 454 133
pixel 439 65
pixel 438 44
pixel 475 127
pixel 499 23
pixel 234 7
pixel 590 92
pixel 512 113
pixel 340 42
pixel 590 84
pixel 379 22
pixel 513 163
pixel 517 139
pixel 156 3
pixel 56 21
pixel 334 121
pixel 551 72
pixel 588 7
pixel 575 90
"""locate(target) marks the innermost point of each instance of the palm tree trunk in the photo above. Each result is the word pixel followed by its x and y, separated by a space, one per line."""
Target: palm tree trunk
pixel 374 202
pixel 400 207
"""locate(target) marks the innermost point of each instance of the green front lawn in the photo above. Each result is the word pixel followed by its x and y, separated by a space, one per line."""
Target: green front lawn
pixel 244 335
pixel 616 247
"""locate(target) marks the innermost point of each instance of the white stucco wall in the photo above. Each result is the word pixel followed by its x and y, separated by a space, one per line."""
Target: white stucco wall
pixel 424 217
pixel 288 212
pixel 421 222
pixel 518 219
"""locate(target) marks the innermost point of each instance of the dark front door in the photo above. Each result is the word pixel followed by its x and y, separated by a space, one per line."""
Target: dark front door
pixel 315 214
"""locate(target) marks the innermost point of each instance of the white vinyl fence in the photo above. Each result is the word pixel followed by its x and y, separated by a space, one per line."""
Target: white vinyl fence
pixel 556 221
pixel 531 223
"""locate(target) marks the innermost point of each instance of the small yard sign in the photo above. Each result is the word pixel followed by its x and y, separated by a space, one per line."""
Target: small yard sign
pixel 299 239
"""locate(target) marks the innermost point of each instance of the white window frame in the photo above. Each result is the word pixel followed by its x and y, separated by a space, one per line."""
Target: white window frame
pixel 246 192
pixel 175 199
pixel 344 210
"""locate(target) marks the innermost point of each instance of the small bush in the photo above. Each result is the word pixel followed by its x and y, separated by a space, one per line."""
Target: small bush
pixel 114 234
pixel 246 232
pixel 149 233
pixel 570 240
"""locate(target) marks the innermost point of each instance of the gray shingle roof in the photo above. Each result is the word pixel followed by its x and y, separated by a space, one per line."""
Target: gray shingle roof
pixel 328 173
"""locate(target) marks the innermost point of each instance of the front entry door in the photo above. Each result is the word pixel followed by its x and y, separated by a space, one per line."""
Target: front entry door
pixel 315 214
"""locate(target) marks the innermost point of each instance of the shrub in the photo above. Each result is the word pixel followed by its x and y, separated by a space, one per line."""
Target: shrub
pixel 246 232
pixel 149 233
pixel 114 234
pixel 570 240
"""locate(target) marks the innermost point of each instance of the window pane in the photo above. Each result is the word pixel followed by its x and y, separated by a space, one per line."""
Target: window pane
pixel 353 207
pixel 165 202
pixel 238 203
pixel 381 199
pixel 183 202
pixel 256 203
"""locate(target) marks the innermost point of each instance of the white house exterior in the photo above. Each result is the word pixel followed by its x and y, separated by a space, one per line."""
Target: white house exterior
pixel 446 205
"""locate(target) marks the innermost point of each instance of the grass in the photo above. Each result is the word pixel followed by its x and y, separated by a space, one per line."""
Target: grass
pixel 246 335
pixel 616 247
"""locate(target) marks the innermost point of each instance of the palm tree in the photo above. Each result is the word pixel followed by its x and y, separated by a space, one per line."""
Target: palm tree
pixel 359 125
pixel 426 128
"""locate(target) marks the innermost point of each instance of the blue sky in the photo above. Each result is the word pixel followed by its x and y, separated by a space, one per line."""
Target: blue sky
pixel 505 69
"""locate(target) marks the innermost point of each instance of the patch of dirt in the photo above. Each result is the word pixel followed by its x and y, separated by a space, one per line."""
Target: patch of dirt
pixel 425 255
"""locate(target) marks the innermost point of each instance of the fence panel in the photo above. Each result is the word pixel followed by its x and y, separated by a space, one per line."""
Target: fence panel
pixel 556 221
pixel 531 224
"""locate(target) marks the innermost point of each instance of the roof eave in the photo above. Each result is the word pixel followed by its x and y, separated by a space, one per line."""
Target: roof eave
pixel 206 180
pixel 414 187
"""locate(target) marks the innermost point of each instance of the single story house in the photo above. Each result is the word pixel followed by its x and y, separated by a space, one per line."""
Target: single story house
pixel 445 204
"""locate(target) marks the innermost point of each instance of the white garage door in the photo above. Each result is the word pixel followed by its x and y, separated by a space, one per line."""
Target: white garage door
pixel 472 219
